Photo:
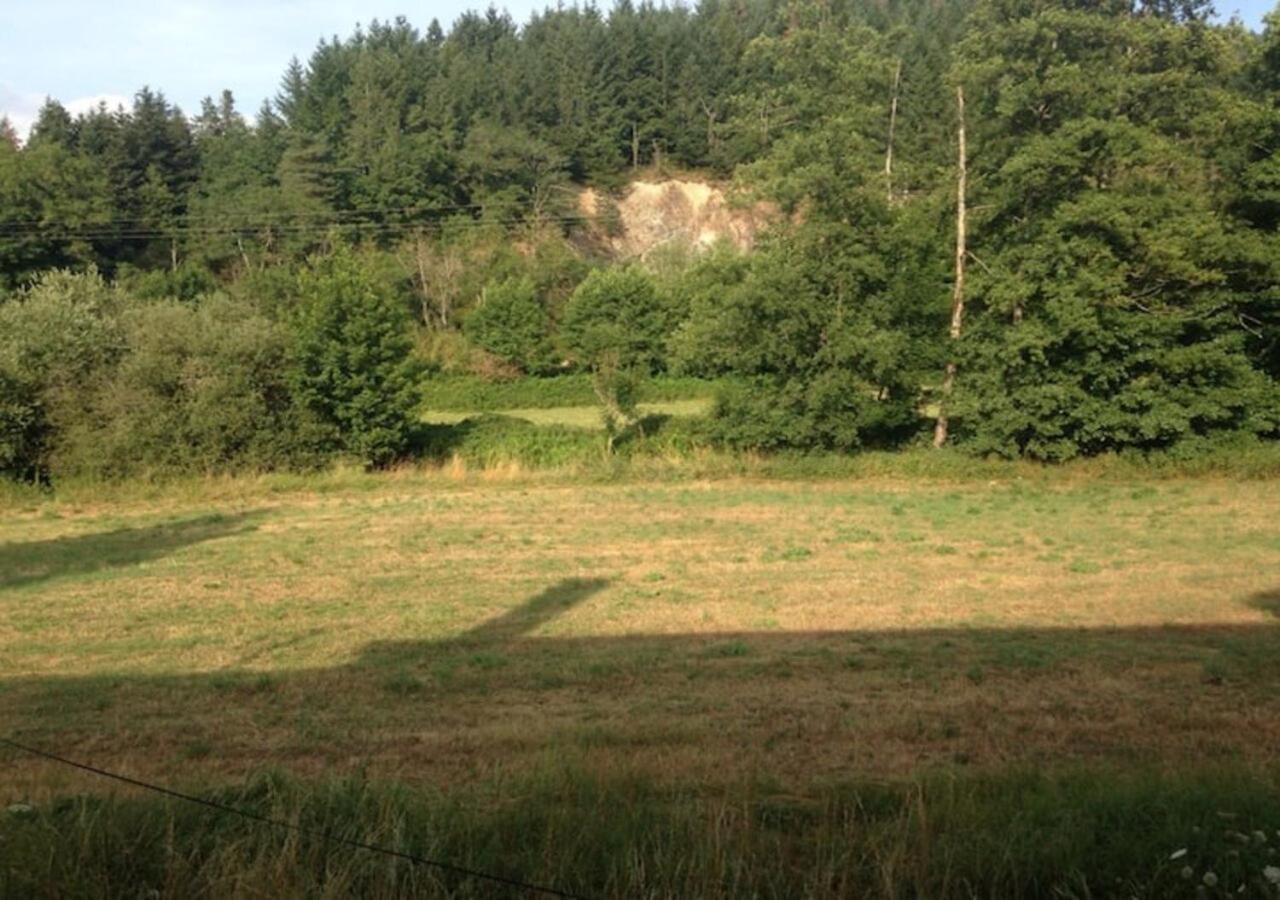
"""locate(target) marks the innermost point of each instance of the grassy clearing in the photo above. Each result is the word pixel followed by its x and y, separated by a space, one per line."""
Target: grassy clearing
pixel 469 393
pixel 587 416
pixel 726 687
pixel 674 447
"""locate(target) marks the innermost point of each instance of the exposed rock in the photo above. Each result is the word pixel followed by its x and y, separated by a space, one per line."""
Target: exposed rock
pixel 653 214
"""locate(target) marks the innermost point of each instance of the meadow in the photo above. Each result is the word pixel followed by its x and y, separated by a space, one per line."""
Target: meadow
pixel 733 686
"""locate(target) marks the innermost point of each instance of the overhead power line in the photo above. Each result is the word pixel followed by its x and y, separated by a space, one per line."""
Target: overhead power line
pixel 281 214
pixel 246 229
pixel 431 213
pixel 298 829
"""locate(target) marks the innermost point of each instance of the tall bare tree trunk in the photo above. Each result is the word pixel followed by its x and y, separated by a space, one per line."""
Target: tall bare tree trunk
pixel 957 293
pixel 711 125
pixel 893 122
pixel 420 260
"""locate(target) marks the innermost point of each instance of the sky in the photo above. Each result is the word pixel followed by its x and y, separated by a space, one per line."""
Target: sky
pixel 85 51
pixel 82 52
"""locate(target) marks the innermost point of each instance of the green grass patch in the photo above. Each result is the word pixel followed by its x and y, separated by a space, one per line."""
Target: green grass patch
pixel 588 417
pixel 1068 833
pixel 469 393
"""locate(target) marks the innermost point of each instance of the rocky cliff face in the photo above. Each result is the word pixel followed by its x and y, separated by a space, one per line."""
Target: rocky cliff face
pixel 653 214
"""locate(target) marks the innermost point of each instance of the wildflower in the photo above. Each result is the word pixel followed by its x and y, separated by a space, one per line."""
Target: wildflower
pixel 1210 880
pixel 1272 874
pixel 1259 837
pixel 1187 872
pixel 1178 854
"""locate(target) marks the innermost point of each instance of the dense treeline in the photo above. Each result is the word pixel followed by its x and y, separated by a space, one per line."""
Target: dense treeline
pixel 412 194
pixel 398 130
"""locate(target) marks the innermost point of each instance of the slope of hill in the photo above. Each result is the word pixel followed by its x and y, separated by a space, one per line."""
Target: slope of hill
pixel 673 212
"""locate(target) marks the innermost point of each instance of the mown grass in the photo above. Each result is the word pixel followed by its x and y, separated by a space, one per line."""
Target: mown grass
pixel 1011 685
pixel 584 416
pixel 469 393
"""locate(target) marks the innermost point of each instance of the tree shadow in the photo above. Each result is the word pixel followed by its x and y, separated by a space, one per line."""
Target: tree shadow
pixel 510 626
pixel 436 441
pixel 26 563
pixel 1267 601
pixel 708 705
pixel 534 612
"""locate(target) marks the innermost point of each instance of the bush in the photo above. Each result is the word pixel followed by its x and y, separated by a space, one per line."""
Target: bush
pixel 201 389
pixel 188 282
pixel 53 338
pixel 814 339
pixel 511 324
pixel 1079 379
pixel 614 326
pixel 351 358
pixel 615 318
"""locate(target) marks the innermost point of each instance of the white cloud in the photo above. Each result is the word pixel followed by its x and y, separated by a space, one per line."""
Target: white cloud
pixel 84 104
pixel 22 107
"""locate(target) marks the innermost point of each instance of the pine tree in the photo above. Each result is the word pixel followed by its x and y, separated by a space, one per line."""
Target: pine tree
pixel 1104 315
pixel 53 125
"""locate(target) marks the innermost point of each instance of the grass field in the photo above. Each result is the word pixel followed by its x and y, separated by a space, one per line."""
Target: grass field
pixel 574 416
pixel 730 687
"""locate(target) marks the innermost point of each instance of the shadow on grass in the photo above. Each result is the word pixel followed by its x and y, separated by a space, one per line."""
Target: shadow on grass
pixel 1267 601
pixel 437 441
pixel 811 728
pixel 555 600
pixel 879 700
pixel 32 562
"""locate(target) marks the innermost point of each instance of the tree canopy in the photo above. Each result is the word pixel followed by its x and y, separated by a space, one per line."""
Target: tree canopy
pixel 1116 222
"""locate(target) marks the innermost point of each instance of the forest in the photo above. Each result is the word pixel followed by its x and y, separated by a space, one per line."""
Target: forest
pixel 1040 229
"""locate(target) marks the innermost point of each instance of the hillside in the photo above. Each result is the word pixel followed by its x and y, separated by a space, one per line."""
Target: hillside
pixel 689 214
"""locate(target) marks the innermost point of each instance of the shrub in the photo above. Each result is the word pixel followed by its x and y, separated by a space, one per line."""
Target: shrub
pixel 614 326
pixel 53 338
pixel 200 389
pixel 615 315
pixel 469 393
pixel 351 358
pixel 814 339
pixel 188 282
pixel 511 324
pixel 1079 378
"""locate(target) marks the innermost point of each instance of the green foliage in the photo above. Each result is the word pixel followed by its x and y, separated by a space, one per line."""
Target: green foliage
pixel 510 323
pixel 48 196
pixel 350 358
pixel 1112 306
pixel 811 334
pixel 54 338
pixel 615 319
pixel 1124 191
pixel 615 325
pixel 199 389
pixel 492 440
pixel 188 282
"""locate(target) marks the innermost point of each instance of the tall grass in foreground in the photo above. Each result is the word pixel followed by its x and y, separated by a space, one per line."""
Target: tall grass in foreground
pixel 1071 835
